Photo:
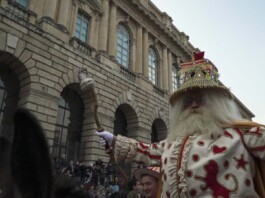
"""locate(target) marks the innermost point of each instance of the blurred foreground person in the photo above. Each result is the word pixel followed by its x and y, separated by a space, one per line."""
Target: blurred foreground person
pixel 25 164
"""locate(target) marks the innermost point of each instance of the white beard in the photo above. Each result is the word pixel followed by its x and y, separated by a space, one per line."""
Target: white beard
pixel 195 121
pixel 208 119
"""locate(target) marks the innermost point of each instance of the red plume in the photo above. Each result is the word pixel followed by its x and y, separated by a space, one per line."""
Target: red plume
pixel 198 55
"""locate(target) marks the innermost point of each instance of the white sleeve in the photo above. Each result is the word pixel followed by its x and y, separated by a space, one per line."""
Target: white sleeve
pixel 142 153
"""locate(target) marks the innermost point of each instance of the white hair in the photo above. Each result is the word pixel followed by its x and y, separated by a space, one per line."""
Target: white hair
pixel 219 109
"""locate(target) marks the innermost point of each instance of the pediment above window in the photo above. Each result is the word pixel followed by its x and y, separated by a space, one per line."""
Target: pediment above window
pixel 94 3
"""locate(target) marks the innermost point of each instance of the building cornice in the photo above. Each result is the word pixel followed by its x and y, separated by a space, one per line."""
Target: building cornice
pixel 179 39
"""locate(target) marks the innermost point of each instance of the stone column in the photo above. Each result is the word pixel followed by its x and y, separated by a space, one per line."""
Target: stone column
pixel 133 55
pixel 145 52
pixel 93 37
pixel 104 26
pixel 112 41
pixel 63 14
pixel 73 20
pixel 50 8
pixel 169 56
pixel 139 49
pixel 165 69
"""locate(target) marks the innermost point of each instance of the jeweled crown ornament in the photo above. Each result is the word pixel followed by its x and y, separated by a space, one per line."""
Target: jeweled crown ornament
pixel 199 73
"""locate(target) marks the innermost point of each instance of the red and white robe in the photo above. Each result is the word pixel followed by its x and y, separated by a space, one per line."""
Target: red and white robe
pixel 200 165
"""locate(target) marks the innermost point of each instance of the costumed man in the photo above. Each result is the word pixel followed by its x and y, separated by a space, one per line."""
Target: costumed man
pixel 210 150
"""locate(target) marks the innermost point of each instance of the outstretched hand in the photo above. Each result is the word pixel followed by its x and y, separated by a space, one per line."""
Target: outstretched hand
pixel 105 137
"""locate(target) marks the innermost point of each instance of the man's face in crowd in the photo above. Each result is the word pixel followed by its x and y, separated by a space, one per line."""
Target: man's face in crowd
pixel 150 186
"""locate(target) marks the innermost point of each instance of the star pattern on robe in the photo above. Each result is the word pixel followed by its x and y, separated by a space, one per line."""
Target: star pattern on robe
pixel 241 163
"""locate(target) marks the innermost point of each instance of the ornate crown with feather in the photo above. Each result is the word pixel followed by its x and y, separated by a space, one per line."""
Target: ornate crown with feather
pixel 199 73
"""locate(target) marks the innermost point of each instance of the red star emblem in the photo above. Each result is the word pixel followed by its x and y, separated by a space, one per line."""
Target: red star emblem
pixel 241 163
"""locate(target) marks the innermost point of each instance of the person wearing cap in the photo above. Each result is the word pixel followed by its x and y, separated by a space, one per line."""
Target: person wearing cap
pixel 148 178
pixel 210 151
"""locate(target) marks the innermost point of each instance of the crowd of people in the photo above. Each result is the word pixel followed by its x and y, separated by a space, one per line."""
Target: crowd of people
pixel 99 179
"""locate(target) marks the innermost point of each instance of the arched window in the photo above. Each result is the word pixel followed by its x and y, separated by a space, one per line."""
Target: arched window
pixel 68 128
pixel 120 127
pixel 154 134
pixel 120 123
pixel 153 66
pixel 159 130
pixel 9 91
pixel 61 130
pixel 174 77
pixel 123 46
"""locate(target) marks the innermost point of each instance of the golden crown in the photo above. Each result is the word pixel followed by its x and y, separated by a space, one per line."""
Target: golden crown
pixel 199 73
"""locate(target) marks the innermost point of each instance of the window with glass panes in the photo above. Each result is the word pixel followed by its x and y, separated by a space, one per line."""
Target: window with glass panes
pixel 69 124
pixel 24 3
pixel 61 128
pixel 152 65
pixel 123 46
pixel 174 77
pixel 82 27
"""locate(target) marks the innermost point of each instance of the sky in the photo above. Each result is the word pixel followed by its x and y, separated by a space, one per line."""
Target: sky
pixel 232 34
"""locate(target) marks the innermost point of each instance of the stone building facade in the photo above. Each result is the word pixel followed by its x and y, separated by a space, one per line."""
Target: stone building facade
pixel 130 48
